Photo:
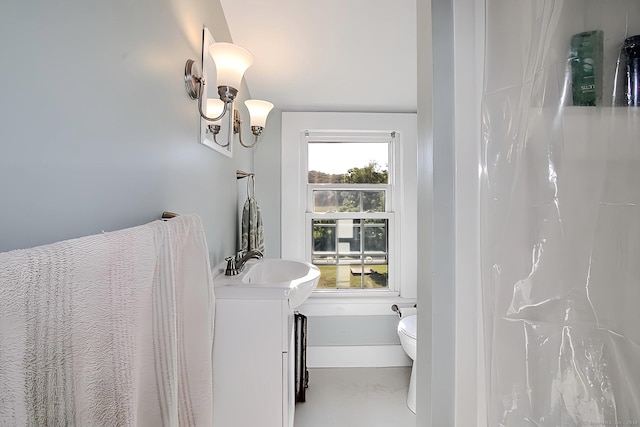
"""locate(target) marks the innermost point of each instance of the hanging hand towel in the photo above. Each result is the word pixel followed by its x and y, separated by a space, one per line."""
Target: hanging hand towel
pixel 252 230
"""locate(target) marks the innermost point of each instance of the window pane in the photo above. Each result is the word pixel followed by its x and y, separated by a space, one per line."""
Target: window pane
pixel 352 274
pixel 325 201
pixel 324 236
pixel 348 201
pixel 375 236
pixel 351 253
pixel 373 201
pixel 348 162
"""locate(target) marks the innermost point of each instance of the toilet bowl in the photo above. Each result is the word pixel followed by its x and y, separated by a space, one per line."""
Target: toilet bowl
pixel 407 328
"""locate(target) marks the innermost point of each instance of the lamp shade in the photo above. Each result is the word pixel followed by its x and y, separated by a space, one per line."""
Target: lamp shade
pixel 258 111
pixel 231 63
pixel 215 107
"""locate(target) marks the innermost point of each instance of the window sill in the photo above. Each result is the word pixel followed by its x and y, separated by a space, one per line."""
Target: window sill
pixel 331 303
pixel 354 293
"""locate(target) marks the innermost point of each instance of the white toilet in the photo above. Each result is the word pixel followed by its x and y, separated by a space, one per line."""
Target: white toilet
pixel 407 328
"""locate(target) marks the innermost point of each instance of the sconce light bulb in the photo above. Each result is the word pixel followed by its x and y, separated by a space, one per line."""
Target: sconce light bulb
pixel 258 112
pixel 231 63
pixel 215 107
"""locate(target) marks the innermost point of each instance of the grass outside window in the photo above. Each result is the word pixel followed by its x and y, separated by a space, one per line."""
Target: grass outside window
pixel 342 276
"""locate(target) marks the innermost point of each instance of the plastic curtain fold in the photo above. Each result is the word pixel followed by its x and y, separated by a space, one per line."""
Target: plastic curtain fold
pixel 560 212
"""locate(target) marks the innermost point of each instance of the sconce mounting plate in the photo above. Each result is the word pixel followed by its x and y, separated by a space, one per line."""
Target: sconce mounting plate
pixel 192 78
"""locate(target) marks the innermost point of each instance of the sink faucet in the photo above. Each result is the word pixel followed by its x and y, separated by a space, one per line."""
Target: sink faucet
pixel 235 264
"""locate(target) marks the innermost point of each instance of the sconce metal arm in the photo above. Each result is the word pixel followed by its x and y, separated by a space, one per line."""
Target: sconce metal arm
pixel 255 141
pixel 194 84
pixel 214 130
pixel 202 114
pixel 221 145
pixel 237 128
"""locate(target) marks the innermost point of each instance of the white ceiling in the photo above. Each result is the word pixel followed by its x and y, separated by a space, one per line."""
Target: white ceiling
pixel 329 55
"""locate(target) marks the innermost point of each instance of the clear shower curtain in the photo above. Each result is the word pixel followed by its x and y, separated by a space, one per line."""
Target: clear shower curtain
pixel 560 212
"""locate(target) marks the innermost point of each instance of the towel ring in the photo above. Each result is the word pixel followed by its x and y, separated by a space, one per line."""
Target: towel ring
pixel 251 187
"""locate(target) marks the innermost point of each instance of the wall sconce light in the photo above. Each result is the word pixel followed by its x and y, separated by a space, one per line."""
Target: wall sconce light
pixel 258 112
pixel 231 63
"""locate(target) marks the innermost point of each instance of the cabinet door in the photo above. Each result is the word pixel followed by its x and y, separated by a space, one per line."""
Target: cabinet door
pixel 248 364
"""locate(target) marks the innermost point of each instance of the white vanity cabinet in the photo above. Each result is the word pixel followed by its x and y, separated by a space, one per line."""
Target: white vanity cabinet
pixel 253 363
pixel 253 345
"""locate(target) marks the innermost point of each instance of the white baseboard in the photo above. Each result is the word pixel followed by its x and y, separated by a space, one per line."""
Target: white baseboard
pixel 362 356
pixel 361 305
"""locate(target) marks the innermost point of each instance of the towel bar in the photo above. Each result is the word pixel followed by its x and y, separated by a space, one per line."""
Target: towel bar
pixel 168 215
pixel 242 174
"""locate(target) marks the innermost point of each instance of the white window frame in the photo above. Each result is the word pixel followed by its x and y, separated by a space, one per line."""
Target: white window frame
pixel 388 214
pixel 295 223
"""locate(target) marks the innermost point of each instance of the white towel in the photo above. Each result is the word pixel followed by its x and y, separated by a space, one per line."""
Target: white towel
pixel 112 329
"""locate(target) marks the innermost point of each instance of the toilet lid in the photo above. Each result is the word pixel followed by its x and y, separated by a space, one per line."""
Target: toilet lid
pixel 408 325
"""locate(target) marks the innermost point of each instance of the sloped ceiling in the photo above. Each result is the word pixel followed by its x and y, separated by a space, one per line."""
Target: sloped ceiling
pixel 329 55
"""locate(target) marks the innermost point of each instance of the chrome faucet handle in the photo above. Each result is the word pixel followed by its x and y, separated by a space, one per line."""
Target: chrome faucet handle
pixel 231 269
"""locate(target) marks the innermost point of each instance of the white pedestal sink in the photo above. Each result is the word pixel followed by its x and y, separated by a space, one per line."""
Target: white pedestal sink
pixel 269 278
pixel 253 349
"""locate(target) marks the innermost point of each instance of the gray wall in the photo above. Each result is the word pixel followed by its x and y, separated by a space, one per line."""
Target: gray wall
pixel 436 206
pixel 424 361
pixel 97 130
pixel 267 168
pixel 352 330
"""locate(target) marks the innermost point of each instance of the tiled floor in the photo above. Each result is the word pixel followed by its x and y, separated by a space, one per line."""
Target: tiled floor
pixel 356 397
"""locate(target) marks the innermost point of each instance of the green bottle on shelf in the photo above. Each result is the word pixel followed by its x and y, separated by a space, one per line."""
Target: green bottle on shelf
pixel 585 57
